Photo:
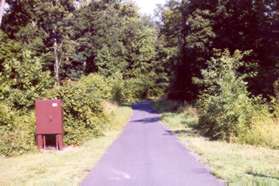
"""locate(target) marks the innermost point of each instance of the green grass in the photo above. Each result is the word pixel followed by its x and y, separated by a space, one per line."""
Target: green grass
pixel 235 163
pixel 67 167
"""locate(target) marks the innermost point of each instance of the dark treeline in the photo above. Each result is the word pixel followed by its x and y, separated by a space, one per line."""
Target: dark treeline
pixel 192 31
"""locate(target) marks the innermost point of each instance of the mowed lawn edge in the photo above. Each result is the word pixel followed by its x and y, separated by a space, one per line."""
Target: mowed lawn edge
pixel 236 164
pixel 68 167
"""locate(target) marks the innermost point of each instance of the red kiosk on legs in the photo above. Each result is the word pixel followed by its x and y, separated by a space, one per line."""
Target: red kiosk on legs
pixel 49 124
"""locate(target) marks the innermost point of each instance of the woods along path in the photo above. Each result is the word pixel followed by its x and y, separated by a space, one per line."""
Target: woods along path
pixel 147 154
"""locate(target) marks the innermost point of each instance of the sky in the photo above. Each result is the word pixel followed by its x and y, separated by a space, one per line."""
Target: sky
pixel 148 6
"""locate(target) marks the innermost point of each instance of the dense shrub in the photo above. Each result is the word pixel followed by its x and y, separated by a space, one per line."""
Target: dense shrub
pixel 118 93
pixel 263 134
pixel 265 126
pixel 129 90
pixel 163 105
pixel 16 131
pixel 83 112
pixel 229 112
pixel 83 103
pixel 226 110
pixel 98 85
pixel 133 89
pixel 23 80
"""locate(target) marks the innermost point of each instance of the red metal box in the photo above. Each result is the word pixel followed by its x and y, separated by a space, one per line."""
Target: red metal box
pixel 49 117
pixel 49 124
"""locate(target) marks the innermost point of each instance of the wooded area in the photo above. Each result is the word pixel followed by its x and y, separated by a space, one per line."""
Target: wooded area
pixel 221 56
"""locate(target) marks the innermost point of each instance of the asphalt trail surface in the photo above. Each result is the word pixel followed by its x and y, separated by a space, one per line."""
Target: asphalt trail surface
pixel 147 154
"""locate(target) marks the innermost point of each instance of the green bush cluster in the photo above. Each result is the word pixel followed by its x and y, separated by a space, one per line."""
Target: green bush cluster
pixel 23 80
pixel 82 104
pixel 162 105
pixel 226 110
pixel 129 90
pixel 98 85
pixel 83 111
pixel 264 126
pixel 16 131
pixel 135 89
pixel 84 116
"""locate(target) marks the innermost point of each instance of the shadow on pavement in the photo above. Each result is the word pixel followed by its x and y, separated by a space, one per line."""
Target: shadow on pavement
pixel 180 132
pixel 145 106
pixel 147 120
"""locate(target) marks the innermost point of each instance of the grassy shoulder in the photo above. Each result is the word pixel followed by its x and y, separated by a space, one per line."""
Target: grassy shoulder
pixel 67 167
pixel 235 163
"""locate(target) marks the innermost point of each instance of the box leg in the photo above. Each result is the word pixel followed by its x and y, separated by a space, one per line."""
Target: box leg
pixel 59 138
pixel 56 142
pixel 44 141
pixel 39 139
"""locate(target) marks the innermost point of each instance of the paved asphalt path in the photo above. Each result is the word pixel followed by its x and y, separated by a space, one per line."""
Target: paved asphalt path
pixel 147 154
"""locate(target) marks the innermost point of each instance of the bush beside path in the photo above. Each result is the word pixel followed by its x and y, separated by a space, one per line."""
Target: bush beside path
pixel 67 167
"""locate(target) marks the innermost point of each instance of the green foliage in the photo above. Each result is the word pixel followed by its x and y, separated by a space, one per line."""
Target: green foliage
pixel 84 116
pixel 194 28
pixel 135 89
pixel 112 38
pixel 163 106
pixel 132 89
pixel 9 48
pixel 262 134
pixel 265 128
pixel 118 93
pixel 98 85
pixel 83 112
pixel 23 80
pixel 225 107
pixel 16 131
pixel 201 31
pixel 107 37
pixel 138 88
pixel 124 91
pixel 109 63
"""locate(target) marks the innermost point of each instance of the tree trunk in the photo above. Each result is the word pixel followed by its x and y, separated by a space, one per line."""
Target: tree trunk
pixel 2 6
pixel 56 63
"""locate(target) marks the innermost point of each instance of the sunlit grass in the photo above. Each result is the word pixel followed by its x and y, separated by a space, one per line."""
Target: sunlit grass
pixel 235 163
pixel 68 167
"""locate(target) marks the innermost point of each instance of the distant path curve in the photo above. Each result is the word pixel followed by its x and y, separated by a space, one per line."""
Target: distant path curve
pixel 146 154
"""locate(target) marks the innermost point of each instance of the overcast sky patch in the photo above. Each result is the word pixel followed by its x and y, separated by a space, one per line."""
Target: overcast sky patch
pixel 148 6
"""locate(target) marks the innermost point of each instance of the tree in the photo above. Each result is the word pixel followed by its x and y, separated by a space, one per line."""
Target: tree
pixel 194 28
pixel 2 6
pixel 114 39
pixel 43 27
pixel 226 109
pixel 23 80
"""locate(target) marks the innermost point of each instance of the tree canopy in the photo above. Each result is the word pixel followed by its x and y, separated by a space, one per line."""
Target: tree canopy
pixel 196 28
